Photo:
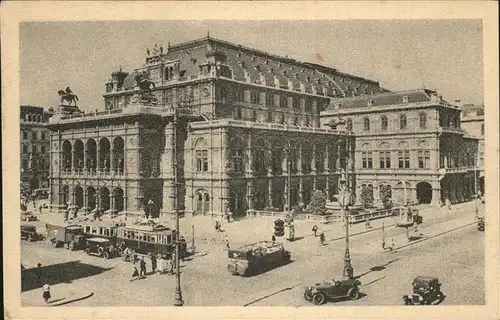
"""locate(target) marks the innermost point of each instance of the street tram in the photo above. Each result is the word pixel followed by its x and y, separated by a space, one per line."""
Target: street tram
pixel 101 229
pixel 407 217
pixel 149 239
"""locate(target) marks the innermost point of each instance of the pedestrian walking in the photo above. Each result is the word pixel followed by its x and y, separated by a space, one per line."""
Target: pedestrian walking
pixel 315 230
pixel 392 244
pixel 46 292
pixel 273 238
pixel 226 240
pixel 142 265
pixel 228 218
pixel 170 267
pixel 40 209
pixel 217 225
pixel 322 239
pixel 153 263
pixel 367 223
pixel 135 273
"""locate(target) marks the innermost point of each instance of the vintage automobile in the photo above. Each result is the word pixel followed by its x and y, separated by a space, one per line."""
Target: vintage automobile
pixel 425 291
pixel 71 236
pixel 100 247
pixel 29 233
pixel 331 289
pixel 257 257
pixel 480 224
pixel 28 216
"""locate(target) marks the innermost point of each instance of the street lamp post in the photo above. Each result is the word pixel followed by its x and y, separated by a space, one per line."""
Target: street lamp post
pixel 178 291
pixel 344 198
pixel 289 178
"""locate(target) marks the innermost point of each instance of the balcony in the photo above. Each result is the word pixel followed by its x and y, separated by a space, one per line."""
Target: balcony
pixel 443 171
pixel 451 130
pixel 91 174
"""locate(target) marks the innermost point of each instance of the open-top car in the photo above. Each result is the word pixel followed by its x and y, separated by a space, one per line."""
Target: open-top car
pixel 425 291
pixel 29 233
pixel 101 247
pixel 331 289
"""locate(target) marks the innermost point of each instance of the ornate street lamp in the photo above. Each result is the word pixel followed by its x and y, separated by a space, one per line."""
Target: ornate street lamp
pixel 181 110
pixel 344 199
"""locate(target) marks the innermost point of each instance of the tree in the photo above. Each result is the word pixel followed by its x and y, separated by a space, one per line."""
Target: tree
pixel 367 196
pixel 386 195
pixel 317 205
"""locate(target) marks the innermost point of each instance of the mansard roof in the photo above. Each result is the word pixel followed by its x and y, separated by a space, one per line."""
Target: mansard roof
pixel 255 64
pixel 382 99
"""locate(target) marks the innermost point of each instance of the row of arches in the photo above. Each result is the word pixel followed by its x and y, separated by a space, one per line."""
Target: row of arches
pixel 384 122
pixel 399 144
pixel 93 198
pixel 102 156
pixel 399 193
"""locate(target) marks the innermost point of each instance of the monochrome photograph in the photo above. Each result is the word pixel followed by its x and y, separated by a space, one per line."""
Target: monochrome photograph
pixel 318 164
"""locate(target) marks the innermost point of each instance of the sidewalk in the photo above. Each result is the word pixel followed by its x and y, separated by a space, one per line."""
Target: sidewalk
pixel 61 294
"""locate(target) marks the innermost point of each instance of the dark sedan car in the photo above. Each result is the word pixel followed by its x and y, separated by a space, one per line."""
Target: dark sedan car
pixel 331 289
pixel 425 291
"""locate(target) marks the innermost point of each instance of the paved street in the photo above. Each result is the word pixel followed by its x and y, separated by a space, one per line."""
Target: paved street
pixel 205 275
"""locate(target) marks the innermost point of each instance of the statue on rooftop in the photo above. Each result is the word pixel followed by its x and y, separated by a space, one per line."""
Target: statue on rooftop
pixel 68 95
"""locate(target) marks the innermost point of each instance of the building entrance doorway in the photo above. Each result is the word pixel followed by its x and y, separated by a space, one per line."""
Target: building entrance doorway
pixel 424 192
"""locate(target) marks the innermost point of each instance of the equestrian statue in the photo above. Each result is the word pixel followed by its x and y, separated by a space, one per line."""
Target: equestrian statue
pixel 68 95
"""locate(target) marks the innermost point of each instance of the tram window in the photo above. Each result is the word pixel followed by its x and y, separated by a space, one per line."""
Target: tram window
pixel 169 239
pixel 94 230
pixel 87 229
pixel 106 232
pixel 100 231
pixel 148 237
pixel 153 239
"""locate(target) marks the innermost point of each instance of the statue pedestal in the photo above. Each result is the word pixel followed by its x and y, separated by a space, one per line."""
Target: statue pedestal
pixel 67 110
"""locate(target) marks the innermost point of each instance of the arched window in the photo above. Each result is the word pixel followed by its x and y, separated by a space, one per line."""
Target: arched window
pixel 422 120
pixel 349 125
pixel 384 123
pixel 366 124
pixel 402 121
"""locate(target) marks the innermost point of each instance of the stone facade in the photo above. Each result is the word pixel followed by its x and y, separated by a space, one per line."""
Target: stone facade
pixel 472 119
pixel 243 123
pixel 34 148
pixel 409 143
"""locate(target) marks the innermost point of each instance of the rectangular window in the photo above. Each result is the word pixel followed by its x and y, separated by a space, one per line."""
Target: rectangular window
pixel 43 135
pixel 296 103
pixel 276 160
pixel 367 160
pixel 283 100
pixel 237 161
pixel 269 99
pixel 308 105
pixel 25 135
pixel 223 94
pixel 269 116
pixel 33 135
pixel 424 159
pixel 385 159
pixel 254 96
pixel 404 159
pixel 238 95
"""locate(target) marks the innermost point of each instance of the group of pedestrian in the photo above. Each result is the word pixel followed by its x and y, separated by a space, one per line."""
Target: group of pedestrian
pixel 136 274
pixel 218 226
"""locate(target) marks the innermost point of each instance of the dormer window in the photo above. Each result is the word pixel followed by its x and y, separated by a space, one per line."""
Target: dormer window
pixel 318 81
pixel 239 53
pixel 266 61
pixel 406 99
pixel 296 75
pixel 285 73
pixel 254 58
pixel 308 79
pixel 257 67
pixel 369 103
pixel 193 60
pixel 241 63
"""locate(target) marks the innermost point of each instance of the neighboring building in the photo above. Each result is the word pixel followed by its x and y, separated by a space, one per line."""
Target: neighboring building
pixel 472 119
pixel 34 147
pixel 244 108
pixel 409 147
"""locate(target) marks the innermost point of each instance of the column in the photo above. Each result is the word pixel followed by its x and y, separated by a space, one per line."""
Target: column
pixel 337 161
pixel 98 158
pixel 327 158
pixel 301 190
pixel 73 195
pixel 112 201
pixel 327 188
pixel 436 197
pixel 250 188
pixel 73 159
pixel 299 159
pixel 249 168
pixel 270 193
pixel 313 159
pixel 111 158
pixel 376 196
pixel 270 163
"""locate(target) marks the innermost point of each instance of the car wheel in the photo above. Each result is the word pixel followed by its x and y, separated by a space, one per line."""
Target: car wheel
pixel 353 293
pixel 87 251
pixel 105 255
pixel 318 298
pixel 307 296
pixel 54 244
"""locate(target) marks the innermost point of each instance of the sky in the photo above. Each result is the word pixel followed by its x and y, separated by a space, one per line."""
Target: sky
pixel 445 55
